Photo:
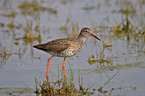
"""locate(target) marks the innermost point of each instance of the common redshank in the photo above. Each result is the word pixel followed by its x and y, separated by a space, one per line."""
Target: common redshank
pixel 65 47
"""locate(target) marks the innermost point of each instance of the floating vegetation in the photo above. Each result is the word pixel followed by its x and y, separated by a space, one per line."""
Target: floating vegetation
pixel 88 8
pixel 52 10
pixel 37 28
pixel 125 26
pixel 142 1
pixel 14 91
pixel 98 6
pixel 64 27
pixel 30 35
pixel 135 34
pixel 102 59
pixel 67 1
pixel 10 14
pixel 123 66
pixel 106 45
pixel 16 43
pixel 124 29
pixel 11 24
pixel 92 60
pixel 127 8
pixel 29 7
pixel 125 11
pixel 5 54
pixel 34 6
pixel 126 65
pixel 75 29
pixel 2 24
pixel 141 23
pixel 95 29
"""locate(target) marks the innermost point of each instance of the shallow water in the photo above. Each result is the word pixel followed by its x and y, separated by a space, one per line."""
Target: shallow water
pixel 127 51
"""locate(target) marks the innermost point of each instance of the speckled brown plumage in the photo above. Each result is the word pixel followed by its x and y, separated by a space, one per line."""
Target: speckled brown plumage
pixel 65 47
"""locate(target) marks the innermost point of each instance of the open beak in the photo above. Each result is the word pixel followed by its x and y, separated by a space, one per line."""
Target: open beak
pixel 95 37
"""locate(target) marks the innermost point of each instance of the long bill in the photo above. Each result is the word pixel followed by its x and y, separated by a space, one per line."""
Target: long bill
pixel 95 37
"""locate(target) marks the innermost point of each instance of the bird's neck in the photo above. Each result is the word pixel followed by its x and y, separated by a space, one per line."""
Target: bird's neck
pixel 82 39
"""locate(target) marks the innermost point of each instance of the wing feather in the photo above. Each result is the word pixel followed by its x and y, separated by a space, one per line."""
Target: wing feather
pixel 53 46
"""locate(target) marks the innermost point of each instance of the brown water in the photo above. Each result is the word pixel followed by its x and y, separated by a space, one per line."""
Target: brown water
pixel 127 52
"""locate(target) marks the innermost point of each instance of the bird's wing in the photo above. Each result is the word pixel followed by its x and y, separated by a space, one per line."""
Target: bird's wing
pixel 53 46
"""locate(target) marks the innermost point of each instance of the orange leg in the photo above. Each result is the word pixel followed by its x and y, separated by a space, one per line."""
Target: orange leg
pixel 48 67
pixel 64 68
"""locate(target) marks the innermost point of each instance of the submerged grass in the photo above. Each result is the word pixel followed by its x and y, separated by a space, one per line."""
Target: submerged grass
pixel 62 86
pixel 102 58
pixel 67 86
pixel 64 27
pixel 5 54
pixel 30 34
pixel 141 24
pixel 10 14
pixel 101 88
pixel 31 7
pixel 127 7
pixel 54 88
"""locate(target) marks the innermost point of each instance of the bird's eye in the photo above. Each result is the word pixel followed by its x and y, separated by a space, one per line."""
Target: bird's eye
pixel 86 30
